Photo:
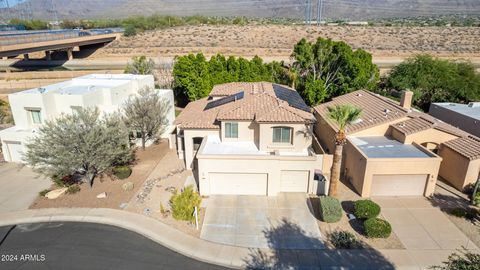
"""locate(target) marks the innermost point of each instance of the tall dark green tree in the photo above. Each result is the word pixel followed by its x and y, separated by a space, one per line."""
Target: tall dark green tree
pixel 436 80
pixel 329 68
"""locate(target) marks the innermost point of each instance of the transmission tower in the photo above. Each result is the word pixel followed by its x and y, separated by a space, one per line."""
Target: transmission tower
pixel 319 11
pixel 308 11
pixel 53 11
pixel 5 9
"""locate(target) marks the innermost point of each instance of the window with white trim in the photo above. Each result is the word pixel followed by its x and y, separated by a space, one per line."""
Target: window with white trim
pixel 231 130
pixel 282 135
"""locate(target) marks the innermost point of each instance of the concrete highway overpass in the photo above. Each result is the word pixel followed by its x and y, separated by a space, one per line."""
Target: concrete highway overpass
pixel 12 45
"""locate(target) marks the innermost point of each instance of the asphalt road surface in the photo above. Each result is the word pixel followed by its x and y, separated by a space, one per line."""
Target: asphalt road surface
pixel 70 245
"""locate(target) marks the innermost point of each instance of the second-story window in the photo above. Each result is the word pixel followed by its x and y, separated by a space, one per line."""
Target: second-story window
pixel 231 130
pixel 36 116
pixel 282 135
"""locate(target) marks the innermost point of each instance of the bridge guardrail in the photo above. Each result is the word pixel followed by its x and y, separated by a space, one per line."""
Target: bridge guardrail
pixel 39 36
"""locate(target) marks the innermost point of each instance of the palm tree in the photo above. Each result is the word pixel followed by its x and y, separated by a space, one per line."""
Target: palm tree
pixel 342 115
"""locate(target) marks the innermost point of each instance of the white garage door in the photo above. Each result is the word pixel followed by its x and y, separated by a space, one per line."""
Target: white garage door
pixel 238 183
pixel 399 185
pixel 294 181
pixel 14 151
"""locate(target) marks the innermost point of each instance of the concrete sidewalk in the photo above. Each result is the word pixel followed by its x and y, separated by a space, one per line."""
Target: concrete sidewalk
pixel 230 256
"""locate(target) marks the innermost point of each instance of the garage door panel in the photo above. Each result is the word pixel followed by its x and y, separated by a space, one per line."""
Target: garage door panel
pixel 398 185
pixel 238 183
pixel 294 181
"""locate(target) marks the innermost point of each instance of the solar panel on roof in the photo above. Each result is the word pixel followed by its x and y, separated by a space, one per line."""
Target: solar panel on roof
pixel 225 100
pixel 291 97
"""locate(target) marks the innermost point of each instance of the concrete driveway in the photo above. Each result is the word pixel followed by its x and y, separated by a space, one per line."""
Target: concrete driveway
pixel 19 186
pixel 281 222
pixel 421 226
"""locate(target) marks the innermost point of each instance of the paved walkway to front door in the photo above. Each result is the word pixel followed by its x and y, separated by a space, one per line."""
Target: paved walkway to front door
pixel 281 222
pixel 420 226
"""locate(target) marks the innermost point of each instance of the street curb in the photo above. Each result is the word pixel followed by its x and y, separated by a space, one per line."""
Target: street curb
pixel 154 230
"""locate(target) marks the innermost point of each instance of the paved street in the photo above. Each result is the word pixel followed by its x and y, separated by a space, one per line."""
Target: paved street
pixel 420 226
pixel 64 245
pixel 283 222
pixel 19 186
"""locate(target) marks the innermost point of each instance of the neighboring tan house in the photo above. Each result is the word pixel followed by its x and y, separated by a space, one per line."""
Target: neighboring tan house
pixel 463 116
pixel 393 150
pixel 31 108
pixel 251 139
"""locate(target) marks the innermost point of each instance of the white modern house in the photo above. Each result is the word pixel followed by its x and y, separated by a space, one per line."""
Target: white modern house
pixel 31 108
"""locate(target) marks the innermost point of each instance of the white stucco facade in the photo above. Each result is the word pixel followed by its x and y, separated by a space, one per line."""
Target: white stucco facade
pixel 108 92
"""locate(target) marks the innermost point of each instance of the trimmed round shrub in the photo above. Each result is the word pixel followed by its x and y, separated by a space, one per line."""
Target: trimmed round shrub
pixel 377 228
pixel 343 239
pixel 122 172
pixel 366 209
pixel 330 209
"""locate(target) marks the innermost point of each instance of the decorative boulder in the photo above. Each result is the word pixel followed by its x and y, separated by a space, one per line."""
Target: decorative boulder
pixel 55 193
pixel 102 195
pixel 128 186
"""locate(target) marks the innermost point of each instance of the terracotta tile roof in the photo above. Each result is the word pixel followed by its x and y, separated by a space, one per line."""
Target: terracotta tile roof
pixel 376 110
pixel 421 121
pixel 260 102
pixel 468 147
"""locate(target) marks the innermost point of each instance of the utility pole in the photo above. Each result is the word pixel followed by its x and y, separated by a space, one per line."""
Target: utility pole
pixel 54 11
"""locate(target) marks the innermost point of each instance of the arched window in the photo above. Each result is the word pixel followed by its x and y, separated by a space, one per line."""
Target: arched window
pixel 282 134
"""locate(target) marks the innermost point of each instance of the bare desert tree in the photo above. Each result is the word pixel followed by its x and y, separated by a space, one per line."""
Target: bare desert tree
pixel 146 114
pixel 84 143
pixel 140 65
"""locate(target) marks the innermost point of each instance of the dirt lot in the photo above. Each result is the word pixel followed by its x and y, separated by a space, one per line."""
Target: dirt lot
pixel 276 41
pixel 146 162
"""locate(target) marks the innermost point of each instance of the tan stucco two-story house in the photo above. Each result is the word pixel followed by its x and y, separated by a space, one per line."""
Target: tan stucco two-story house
pixel 251 139
pixel 394 150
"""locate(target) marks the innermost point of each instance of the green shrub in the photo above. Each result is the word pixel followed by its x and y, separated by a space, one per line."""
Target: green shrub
pixel 130 31
pixel 330 209
pixel 183 204
pixel 377 228
pixel 73 189
pixel 44 192
pixel 343 239
pixel 463 260
pixel 366 209
pixel 122 172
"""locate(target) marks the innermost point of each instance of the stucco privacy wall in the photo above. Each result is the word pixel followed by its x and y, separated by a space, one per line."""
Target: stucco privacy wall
pixel 270 165
pixel 457 169
pixel 361 170
pixel 188 135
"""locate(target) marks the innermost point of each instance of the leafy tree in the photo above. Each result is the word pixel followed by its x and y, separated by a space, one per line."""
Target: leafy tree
pixel 342 115
pixel 195 76
pixel 331 68
pixel 464 260
pixel 435 80
pixel 80 143
pixel 31 24
pixel 146 114
pixel 140 65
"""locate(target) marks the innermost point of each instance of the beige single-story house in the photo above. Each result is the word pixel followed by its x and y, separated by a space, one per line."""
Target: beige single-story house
pixel 251 139
pixel 394 150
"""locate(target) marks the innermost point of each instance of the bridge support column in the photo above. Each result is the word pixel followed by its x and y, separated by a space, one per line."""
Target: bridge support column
pixel 48 55
pixel 25 56
pixel 70 53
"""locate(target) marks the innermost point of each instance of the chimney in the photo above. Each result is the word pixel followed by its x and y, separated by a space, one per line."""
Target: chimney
pixel 406 100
